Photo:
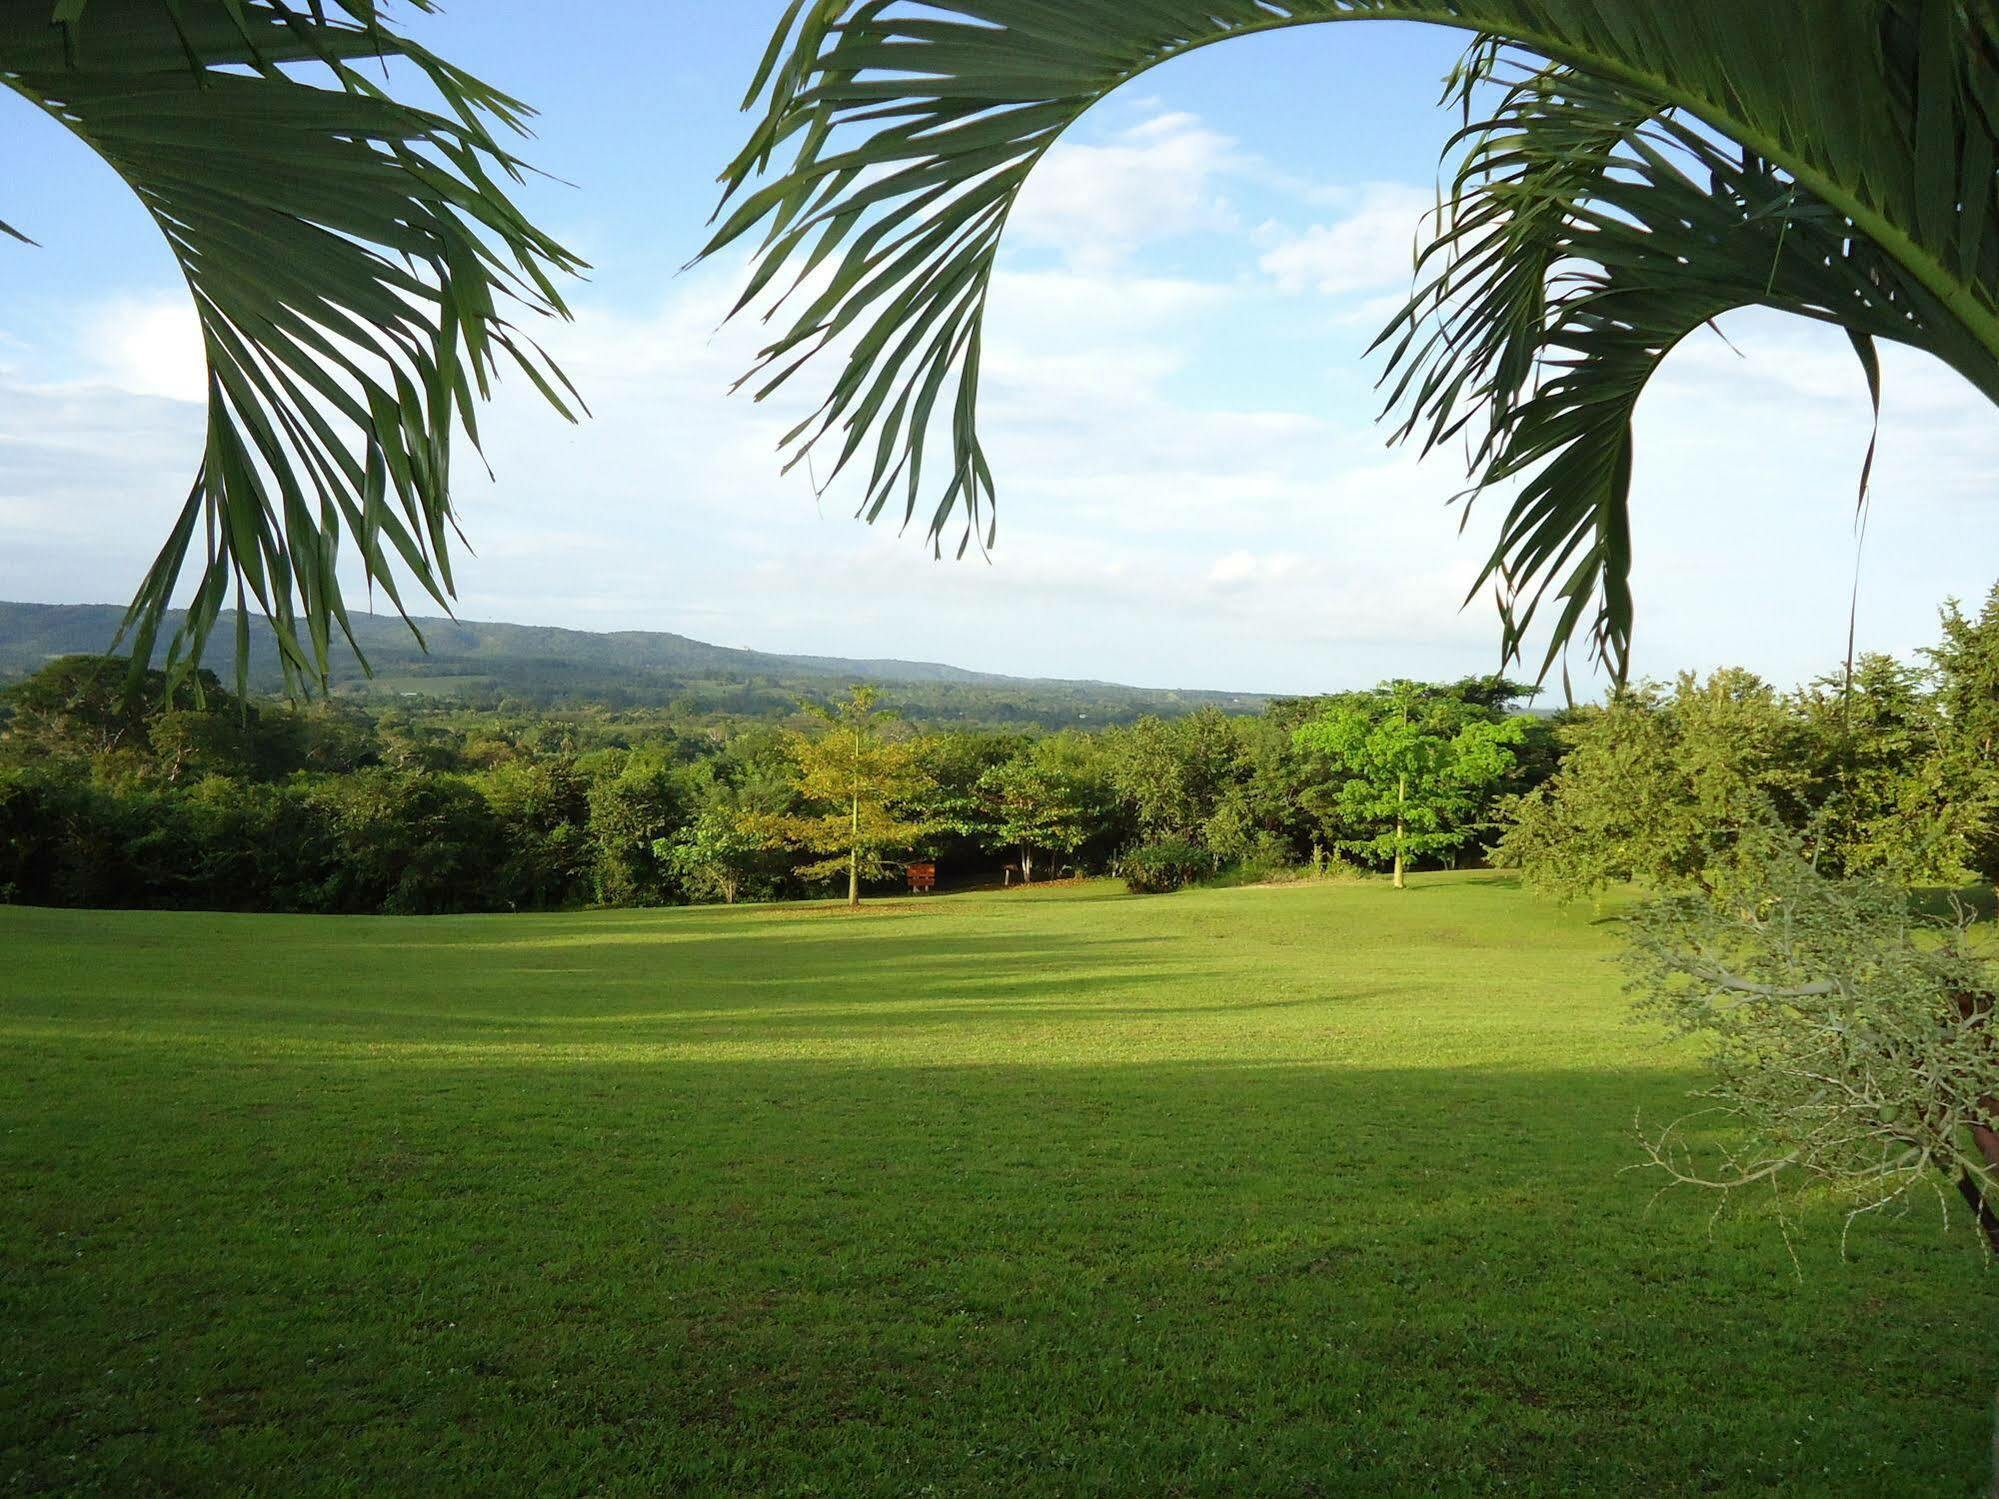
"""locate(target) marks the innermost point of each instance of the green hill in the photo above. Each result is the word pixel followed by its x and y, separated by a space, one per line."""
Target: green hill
pixel 482 663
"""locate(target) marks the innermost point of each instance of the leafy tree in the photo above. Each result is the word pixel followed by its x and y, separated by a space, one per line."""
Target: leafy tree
pixel 1888 799
pixel 736 842
pixel 84 707
pixel 1405 786
pixel 412 845
pixel 1662 787
pixel 328 738
pixel 1641 169
pixel 639 802
pixel 1967 665
pixel 409 745
pixel 542 808
pixel 1162 867
pixel 952 803
pixel 861 777
pixel 1032 802
pixel 1172 773
pixel 1659 787
pixel 724 849
pixel 355 266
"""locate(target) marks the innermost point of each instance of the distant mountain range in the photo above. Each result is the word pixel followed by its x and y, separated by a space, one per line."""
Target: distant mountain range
pixel 480 663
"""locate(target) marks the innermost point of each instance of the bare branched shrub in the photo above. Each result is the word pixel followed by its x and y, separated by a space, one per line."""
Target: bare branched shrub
pixel 1850 1041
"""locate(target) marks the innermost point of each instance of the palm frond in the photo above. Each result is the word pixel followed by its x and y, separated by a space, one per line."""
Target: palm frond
pixel 1583 239
pixel 1848 147
pixel 354 264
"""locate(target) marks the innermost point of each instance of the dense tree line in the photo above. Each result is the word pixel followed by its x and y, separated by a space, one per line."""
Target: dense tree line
pixel 1890 773
pixel 196 799
pixel 113 797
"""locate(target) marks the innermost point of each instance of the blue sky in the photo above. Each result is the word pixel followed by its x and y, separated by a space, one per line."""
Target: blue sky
pixel 1193 490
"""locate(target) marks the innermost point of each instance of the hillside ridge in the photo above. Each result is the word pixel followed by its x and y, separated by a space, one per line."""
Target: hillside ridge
pixel 478 660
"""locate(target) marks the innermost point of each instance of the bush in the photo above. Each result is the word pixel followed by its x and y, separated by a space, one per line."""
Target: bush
pixel 1156 868
pixel 1337 867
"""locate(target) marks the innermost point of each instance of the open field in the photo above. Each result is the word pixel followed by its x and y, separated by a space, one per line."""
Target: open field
pixel 1296 1190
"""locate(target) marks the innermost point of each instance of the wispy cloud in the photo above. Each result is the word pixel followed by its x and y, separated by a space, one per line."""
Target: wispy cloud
pixel 1371 246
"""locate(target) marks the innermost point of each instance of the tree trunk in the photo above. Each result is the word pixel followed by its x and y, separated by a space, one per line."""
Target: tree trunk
pixel 1026 865
pixel 1401 796
pixel 854 859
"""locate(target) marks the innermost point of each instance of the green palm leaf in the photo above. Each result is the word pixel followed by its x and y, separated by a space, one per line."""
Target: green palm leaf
pixel 1649 167
pixel 353 262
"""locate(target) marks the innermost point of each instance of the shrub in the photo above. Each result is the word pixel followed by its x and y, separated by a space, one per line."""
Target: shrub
pixel 1849 1043
pixel 1266 859
pixel 1156 868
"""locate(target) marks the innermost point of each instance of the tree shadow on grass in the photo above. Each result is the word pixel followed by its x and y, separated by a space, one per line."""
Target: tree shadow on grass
pixel 503 989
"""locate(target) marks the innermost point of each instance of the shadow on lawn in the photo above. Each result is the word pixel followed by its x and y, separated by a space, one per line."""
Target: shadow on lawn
pixel 787 1274
pixel 799 985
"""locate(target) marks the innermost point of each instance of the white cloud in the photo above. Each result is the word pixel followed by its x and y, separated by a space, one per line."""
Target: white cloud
pixel 147 346
pixel 1191 493
pixel 1097 204
pixel 1372 246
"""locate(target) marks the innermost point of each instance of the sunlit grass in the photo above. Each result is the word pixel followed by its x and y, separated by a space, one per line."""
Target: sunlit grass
pixel 1280 1190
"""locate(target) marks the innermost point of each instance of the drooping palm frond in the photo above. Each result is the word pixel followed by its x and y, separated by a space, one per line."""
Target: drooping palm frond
pixel 1848 147
pixel 353 263
pixel 1582 240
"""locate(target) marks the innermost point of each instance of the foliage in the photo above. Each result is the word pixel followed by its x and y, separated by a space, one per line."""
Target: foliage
pixel 1657 787
pixel 1405 784
pixel 81 707
pixel 1967 667
pixel 1848 1043
pixel 354 266
pixel 1173 773
pixel 859 776
pixel 1661 786
pixel 227 804
pixel 1041 799
pixel 632 810
pixel 724 850
pixel 542 809
pixel 410 845
pixel 1643 169
pixel 1888 798
pixel 1158 868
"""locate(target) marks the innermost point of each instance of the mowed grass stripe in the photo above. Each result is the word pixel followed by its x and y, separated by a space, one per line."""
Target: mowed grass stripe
pixel 1261 1190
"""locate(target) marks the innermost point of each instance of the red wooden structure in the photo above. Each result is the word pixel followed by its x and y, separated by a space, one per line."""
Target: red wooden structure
pixel 922 877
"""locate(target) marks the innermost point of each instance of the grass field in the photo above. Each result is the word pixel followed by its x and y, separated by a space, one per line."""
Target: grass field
pixel 1296 1190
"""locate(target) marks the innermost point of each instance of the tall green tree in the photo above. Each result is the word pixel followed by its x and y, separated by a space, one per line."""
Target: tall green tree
pixel 641 803
pixel 1679 787
pixel 356 267
pixel 1034 803
pixel 1888 798
pixel 1660 784
pixel 1629 170
pixel 1406 786
pixel 860 776
pixel 736 841
pixel 1967 666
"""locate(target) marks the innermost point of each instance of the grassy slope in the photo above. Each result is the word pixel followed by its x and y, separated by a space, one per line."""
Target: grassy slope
pixel 1292 1190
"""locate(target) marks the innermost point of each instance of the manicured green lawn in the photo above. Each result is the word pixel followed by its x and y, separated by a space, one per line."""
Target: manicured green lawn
pixel 1296 1190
